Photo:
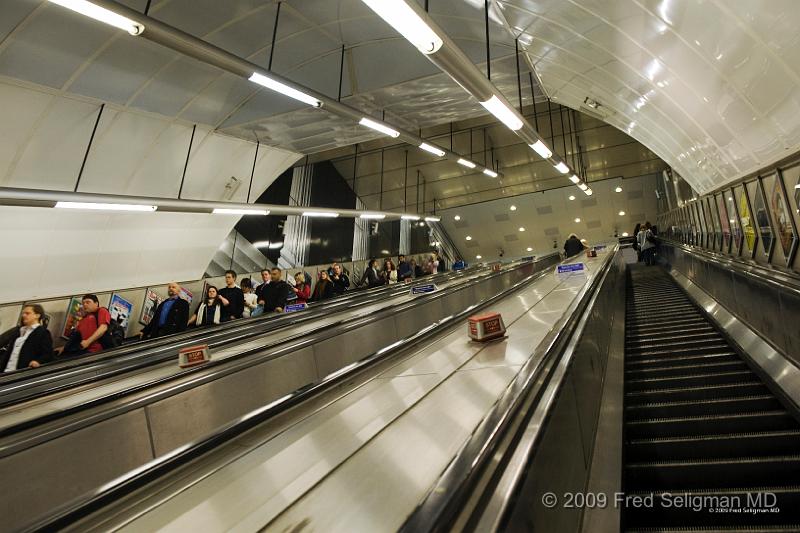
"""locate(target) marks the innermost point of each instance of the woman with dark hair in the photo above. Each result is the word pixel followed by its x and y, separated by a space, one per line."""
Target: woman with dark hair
pixel 324 288
pixel 209 312
pixel 250 298
pixel 32 344
pixel 389 273
pixel 371 277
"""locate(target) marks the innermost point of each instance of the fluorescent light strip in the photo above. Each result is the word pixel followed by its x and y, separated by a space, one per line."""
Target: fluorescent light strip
pixel 228 211
pixel 490 173
pixel 505 115
pixel 261 244
pixel 433 219
pixel 377 126
pixel 432 149
pixel 375 216
pixel 322 214
pixel 275 245
pixel 466 163
pixel 405 20
pixel 106 207
pixel 279 87
pixel 102 14
pixel 410 217
pixel 574 179
pixel 540 148
pixel 588 192
pixel 561 167
pixel 583 186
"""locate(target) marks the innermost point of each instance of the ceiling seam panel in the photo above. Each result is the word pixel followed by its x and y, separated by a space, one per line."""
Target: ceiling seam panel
pixel 21 26
pixel 632 69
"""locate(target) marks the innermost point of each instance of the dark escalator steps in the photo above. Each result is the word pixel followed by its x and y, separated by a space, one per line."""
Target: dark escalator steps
pixel 699 424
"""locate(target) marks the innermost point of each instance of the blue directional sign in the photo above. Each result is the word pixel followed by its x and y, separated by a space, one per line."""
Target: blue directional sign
pixel 291 308
pixel 423 289
pixel 575 267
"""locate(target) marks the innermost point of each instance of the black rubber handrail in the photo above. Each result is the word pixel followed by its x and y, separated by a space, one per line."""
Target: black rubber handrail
pixel 454 488
pixel 139 356
pixel 76 418
pixel 161 466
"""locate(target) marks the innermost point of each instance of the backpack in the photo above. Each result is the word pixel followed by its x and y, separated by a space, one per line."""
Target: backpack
pixel 114 335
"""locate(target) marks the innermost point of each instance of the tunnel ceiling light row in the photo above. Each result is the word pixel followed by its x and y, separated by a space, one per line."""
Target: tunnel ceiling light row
pixel 413 23
pixel 414 29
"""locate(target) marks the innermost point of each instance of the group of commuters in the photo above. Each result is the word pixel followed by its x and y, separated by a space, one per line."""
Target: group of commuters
pixel 646 243
pixel 30 344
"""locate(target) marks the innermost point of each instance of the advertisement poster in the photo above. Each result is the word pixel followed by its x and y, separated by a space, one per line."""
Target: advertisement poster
pixel 784 225
pixel 74 313
pixel 747 226
pixel 151 301
pixel 186 294
pixel 120 310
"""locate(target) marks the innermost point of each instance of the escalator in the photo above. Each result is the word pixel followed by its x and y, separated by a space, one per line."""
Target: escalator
pixel 703 433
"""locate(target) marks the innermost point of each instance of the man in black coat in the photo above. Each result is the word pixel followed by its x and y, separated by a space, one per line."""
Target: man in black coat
pixel 573 246
pixel 30 345
pixel 273 293
pixel 171 315
pixel 340 280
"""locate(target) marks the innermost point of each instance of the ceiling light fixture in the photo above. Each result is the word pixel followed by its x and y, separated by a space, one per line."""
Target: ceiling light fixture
pixel 574 179
pixel 229 211
pixel 102 14
pixel 374 216
pixel 457 217
pixel 540 148
pixel 433 219
pixel 490 173
pixel 468 238
pixel 466 163
pixel 577 220
pixel 561 167
pixel 275 245
pixel 106 207
pixel 478 257
pixel 503 113
pixel 521 228
pixel 591 103
pixel 622 213
pixel 284 89
pixel 513 208
pixel 588 192
pixel 402 18
pixel 625 234
pixel 529 249
pixel 377 126
pixel 571 197
pixel 261 244
pixel 583 187
pixel 618 189
pixel 432 149
pixel 410 217
pixel 320 214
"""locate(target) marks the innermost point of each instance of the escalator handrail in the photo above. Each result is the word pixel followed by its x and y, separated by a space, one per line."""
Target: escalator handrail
pixel 194 376
pixel 448 496
pixel 778 279
pixel 13 381
pixel 132 481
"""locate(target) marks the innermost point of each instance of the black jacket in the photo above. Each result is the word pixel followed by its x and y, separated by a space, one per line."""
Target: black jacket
pixel 572 247
pixel 177 320
pixel 341 285
pixel 38 347
pixel 274 294
pixel 371 278
pixel 235 307
pixel 323 291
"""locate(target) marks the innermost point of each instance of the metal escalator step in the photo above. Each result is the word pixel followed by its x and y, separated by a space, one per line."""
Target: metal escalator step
pixel 710 424
pixel 634 342
pixel 751 444
pixel 714 473
pixel 710 378
pixel 749 387
pixel 767 509
pixel 662 318
pixel 702 329
pixel 665 369
pixel 660 311
pixel 675 351
pixel 719 406
pixel 678 345
pixel 692 321
pixel 677 360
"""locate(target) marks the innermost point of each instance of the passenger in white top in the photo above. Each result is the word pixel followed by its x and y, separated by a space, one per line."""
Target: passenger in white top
pixel 31 345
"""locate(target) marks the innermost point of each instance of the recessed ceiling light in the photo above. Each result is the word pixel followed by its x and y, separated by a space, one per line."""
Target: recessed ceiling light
pixel 522 229
pixel 478 257
pixel 577 220
pixel 457 217
pixel 466 163
pixel 571 197
pixel 513 208
pixel 490 173
pixel 529 249
pixel 469 238
pixel 618 189
pixel 624 233
pixel 622 213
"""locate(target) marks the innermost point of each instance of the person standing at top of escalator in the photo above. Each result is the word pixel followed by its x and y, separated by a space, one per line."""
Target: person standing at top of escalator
pixel 233 295
pixel 31 345
pixel 171 315
pixel 340 280
pixel 646 241
pixel 573 246
pixel 276 293
pixel 371 276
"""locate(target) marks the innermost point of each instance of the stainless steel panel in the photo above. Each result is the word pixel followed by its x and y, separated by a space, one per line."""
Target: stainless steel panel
pixel 182 418
pixel 40 478
pixel 335 353
pixel 790 318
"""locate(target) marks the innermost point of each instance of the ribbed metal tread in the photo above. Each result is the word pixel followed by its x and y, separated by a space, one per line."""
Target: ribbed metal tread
pixel 783 442
pixel 700 392
pixel 666 369
pixel 773 420
pixel 718 406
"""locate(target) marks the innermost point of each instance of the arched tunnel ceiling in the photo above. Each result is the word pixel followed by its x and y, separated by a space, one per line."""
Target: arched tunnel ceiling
pixel 709 85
